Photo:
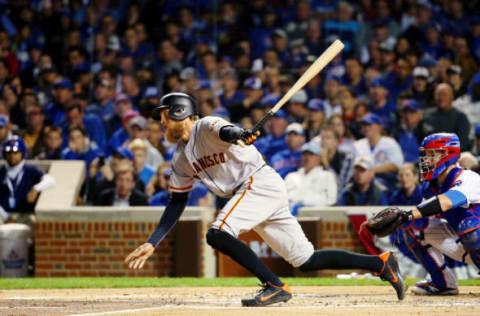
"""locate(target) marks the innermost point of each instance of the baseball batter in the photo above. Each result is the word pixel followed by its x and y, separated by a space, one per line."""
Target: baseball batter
pixel 207 150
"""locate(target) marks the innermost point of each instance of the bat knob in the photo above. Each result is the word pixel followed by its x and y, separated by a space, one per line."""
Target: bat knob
pixel 240 143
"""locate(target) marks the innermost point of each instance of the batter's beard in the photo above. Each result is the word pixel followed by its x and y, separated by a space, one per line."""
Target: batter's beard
pixel 174 132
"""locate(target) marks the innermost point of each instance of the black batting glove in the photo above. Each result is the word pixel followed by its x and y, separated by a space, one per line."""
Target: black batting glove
pixel 234 134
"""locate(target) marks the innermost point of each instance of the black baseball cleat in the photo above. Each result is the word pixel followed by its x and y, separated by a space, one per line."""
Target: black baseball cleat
pixel 391 273
pixel 269 294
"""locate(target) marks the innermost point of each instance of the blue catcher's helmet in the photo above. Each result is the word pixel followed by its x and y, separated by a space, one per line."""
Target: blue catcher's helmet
pixel 14 144
pixel 438 152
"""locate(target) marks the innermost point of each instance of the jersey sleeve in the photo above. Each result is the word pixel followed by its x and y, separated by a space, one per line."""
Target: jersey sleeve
pixel 468 183
pixel 181 179
pixel 212 125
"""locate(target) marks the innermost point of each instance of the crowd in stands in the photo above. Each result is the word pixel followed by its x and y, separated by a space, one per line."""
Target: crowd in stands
pixel 79 80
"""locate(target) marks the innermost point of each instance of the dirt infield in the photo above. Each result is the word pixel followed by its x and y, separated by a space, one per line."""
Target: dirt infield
pixel 360 300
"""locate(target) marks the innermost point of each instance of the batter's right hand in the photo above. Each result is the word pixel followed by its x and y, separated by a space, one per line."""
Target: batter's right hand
pixel 137 258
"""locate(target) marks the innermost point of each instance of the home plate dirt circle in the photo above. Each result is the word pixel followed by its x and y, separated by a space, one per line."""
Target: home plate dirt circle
pixel 307 300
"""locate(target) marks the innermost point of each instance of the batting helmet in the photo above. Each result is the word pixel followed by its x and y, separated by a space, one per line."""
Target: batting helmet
pixel 180 106
pixel 14 144
pixel 447 145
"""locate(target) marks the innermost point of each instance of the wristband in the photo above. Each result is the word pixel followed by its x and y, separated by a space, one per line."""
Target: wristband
pixel 430 207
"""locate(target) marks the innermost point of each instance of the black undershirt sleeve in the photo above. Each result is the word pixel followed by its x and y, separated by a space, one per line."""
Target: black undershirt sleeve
pixel 230 133
pixel 170 216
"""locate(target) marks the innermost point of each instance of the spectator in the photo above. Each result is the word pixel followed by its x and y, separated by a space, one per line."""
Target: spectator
pixel 137 129
pixel 448 119
pixel 34 135
pixel 420 89
pixel 91 123
pixel 62 95
pixel 477 141
pixel 274 141
pixel 124 193
pixel 343 134
pixel 297 109
pixel 331 103
pixel 353 77
pixel 289 160
pixel 332 158
pixel 113 123
pixel 344 26
pixel 381 104
pixel 412 132
pixel 384 151
pixel 159 181
pixel 230 94
pixel 104 106
pixel 468 161
pixel 53 144
pixel 199 195
pixel 253 93
pixel 316 119
pixel 347 101
pixel 80 147
pixel 20 183
pixel 5 128
pixel 410 192
pixel 364 190
pixel 150 100
pixel 454 78
pixel 143 171
pixel 312 184
pixel 102 173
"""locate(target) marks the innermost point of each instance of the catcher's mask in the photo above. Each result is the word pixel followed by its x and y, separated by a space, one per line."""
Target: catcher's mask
pixel 438 152
pixel 180 106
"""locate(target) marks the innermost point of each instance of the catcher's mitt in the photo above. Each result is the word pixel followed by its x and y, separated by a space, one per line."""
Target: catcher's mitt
pixel 386 221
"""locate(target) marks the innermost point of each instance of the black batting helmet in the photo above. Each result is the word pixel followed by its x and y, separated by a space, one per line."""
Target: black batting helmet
pixel 180 106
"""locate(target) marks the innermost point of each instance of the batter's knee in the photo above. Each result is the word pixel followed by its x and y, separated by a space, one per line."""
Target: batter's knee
pixel 214 238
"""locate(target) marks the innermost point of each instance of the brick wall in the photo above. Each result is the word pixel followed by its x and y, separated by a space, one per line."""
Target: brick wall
pixel 71 249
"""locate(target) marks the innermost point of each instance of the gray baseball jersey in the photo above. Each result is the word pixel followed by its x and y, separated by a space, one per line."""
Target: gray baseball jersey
pixel 259 197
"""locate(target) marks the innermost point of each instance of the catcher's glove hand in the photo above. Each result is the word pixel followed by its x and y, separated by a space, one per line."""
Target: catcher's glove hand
pixel 386 221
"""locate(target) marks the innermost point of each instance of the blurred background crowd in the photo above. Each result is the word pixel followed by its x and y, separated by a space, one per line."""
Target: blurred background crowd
pixel 79 80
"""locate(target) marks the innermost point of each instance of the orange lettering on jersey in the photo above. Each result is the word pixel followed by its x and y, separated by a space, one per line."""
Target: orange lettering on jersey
pixel 196 167
pixel 207 161
pixel 210 161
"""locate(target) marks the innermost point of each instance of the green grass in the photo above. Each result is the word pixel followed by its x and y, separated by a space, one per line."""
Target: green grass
pixel 70 283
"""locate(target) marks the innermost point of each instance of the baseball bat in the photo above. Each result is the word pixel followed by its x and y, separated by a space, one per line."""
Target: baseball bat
pixel 324 59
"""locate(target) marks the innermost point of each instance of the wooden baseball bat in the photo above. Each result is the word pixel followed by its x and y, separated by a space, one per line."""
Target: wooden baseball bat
pixel 324 59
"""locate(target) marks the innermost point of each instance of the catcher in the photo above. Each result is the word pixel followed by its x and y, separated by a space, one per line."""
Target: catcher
pixel 206 149
pixel 450 212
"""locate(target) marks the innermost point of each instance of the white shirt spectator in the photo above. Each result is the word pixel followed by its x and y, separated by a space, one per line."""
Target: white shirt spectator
pixel 318 187
pixel 386 151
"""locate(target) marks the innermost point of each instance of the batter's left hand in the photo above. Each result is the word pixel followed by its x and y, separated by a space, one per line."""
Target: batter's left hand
pixel 248 137
pixel 137 258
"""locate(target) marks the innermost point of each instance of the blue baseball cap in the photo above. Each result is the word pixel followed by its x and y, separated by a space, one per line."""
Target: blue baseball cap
pixel 411 105
pixel 253 83
pixel 316 105
pixel 220 112
pixel 379 82
pixel 63 83
pixel 124 152
pixel 269 100
pixel 477 130
pixel 151 92
pixel 4 120
pixel 332 77
pixel 281 114
pixel 371 118
pixel 311 147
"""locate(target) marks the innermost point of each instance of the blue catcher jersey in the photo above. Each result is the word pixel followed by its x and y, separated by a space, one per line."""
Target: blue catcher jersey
pixel 465 218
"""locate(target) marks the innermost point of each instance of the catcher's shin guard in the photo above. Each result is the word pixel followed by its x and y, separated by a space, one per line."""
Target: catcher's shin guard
pixel 432 260
pixel 471 243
